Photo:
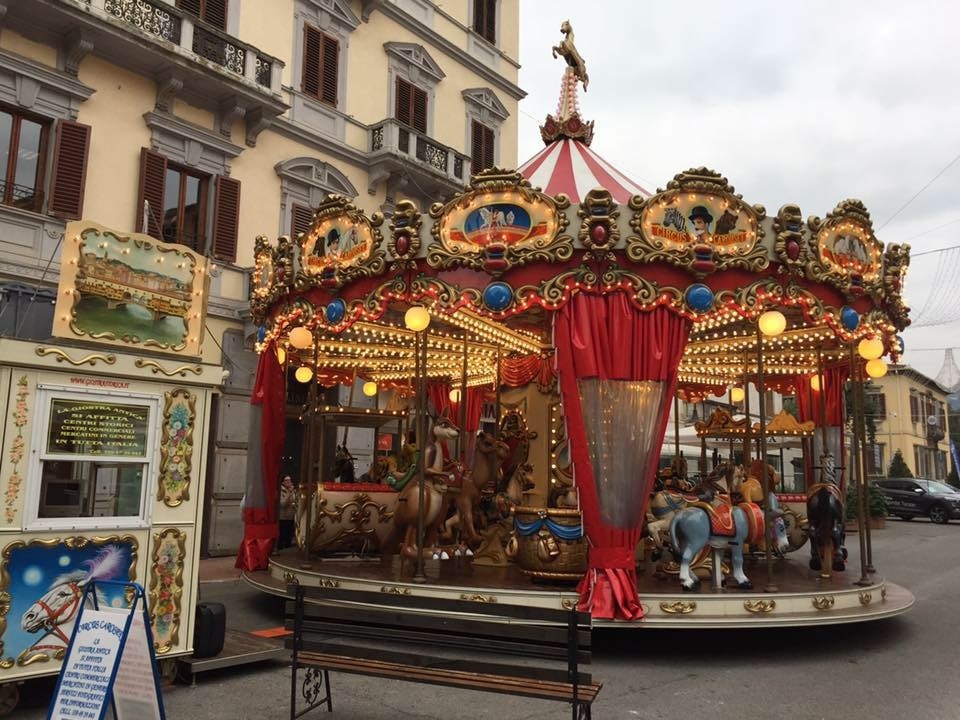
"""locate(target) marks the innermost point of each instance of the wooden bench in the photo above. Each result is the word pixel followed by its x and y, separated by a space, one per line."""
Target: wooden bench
pixel 475 643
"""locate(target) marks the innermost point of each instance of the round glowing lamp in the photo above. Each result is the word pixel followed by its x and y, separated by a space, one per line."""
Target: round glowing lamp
pixel 876 368
pixel 815 383
pixel 301 338
pixel 281 355
pixel 303 374
pixel 737 394
pixel 417 318
pixel 455 395
pixel 772 323
pixel 369 388
pixel 870 349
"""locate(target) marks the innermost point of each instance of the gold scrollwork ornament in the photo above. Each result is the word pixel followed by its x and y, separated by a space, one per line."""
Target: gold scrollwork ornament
pixel 678 607
pixel 599 232
pixel 759 606
pixel 823 602
pixel 403 242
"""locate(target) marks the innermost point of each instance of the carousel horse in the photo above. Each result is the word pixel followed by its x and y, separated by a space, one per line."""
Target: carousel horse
pixel 519 483
pixel 751 490
pixel 715 488
pixel 825 522
pixel 485 473
pixel 343 465
pixel 563 496
pixel 438 477
pixel 694 528
pixel 55 613
pixel 568 51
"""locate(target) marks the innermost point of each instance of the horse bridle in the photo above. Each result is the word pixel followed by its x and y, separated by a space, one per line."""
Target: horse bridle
pixel 53 616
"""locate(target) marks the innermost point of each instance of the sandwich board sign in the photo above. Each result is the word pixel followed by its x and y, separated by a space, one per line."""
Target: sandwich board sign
pixel 110 661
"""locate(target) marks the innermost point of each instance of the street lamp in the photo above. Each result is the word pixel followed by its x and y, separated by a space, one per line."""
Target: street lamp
pixel 417 319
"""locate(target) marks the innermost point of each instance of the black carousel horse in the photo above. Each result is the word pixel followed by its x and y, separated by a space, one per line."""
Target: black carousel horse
pixel 825 528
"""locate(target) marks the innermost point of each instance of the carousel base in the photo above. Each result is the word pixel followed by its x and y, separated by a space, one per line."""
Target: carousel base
pixel 801 598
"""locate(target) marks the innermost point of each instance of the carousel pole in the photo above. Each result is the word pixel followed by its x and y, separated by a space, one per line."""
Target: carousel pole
pixel 861 413
pixel 461 440
pixel 771 586
pixel 420 343
pixel 676 430
pixel 311 450
pixel 854 465
pixel 822 398
pixel 748 430
pixel 496 432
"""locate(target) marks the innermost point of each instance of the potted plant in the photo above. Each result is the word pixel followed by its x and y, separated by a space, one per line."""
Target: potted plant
pixel 876 507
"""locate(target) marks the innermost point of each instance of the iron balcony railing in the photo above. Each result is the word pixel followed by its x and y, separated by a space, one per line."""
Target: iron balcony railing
pixel 393 137
pixel 167 23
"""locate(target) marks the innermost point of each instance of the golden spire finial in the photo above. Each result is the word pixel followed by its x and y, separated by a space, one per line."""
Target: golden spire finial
pixel 568 51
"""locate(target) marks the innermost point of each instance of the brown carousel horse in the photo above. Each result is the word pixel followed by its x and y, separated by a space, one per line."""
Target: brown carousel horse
pixel 487 458
pixel 439 476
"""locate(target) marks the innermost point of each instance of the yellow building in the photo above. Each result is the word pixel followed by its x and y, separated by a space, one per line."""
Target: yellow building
pixel 209 122
pixel 911 416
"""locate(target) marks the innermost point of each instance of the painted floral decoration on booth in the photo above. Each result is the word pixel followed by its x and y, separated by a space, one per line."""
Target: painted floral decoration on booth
pixel 176 450
pixel 17 446
pixel 166 587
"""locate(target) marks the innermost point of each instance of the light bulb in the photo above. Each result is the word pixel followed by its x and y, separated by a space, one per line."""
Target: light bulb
pixel 737 394
pixel 815 383
pixel 301 338
pixel 370 388
pixel 876 368
pixel 281 355
pixel 455 395
pixel 870 349
pixel 417 318
pixel 303 374
pixel 772 323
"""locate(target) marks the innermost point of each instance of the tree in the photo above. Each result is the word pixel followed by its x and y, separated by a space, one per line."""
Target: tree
pixel 898 467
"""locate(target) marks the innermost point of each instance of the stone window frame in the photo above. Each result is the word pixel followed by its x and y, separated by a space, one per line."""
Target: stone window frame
pixel 483 105
pixel 412 62
pixel 333 18
pixel 306 181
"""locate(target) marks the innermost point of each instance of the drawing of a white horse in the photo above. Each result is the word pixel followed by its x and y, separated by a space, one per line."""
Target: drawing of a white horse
pixel 55 613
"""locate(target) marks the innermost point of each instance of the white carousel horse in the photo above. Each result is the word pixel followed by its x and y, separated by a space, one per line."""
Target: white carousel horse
pixel 56 612
pixel 692 530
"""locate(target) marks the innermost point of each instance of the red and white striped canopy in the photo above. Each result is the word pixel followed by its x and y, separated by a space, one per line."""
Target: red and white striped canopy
pixel 570 167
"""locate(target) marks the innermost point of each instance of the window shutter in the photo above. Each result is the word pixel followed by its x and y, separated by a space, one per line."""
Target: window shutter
pixel 485 19
pixel 312 41
pixel 301 217
pixel 226 219
pixel 481 147
pixel 215 13
pixel 331 52
pixel 914 408
pixel 882 406
pixel 419 110
pixel 487 147
pixel 153 173
pixel 69 169
pixel 402 102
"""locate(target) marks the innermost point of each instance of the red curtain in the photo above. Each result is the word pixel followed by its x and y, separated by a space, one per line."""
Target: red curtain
pixel 808 408
pixel 265 448
pixel 607 338
pixel 438 393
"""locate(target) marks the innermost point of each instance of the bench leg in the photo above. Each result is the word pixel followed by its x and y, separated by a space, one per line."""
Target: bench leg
pixel 315 689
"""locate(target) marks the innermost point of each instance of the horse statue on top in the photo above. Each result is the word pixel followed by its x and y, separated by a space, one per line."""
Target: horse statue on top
pixel 825 521
pixel 568 51
pixel 722 526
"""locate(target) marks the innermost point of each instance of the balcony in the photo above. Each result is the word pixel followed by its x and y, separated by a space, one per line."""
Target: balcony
pixel 398 152
pixel 188 58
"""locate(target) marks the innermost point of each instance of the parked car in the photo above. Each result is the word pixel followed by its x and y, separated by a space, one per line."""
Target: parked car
pixel 908 498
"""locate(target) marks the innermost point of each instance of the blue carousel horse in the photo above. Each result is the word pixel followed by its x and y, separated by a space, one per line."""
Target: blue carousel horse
pixel 694 528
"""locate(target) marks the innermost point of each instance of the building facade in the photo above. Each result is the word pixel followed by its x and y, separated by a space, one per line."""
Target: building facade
pixel 910 416
pixel 209 122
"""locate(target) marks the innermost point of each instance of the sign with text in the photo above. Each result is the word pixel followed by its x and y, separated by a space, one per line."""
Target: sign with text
pixel 79 427
pixel 110 659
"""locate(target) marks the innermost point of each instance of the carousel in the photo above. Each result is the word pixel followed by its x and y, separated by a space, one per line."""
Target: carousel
pixel 520 346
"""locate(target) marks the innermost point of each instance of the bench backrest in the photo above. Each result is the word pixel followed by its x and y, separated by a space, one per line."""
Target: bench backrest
pixel 544 643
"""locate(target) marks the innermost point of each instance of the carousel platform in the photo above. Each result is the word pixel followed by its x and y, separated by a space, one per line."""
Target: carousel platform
pixel 802 598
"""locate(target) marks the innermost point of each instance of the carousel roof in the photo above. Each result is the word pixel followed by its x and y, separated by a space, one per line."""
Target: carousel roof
pixel 569 166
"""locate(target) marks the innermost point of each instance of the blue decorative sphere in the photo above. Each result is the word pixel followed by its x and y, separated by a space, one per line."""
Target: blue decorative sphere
pixel 699 297
pixel 335 311
pixel 849 317
pixel 497 296
pixel 261 333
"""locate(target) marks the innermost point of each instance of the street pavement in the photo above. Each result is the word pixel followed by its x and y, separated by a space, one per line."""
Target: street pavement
pixel 898 668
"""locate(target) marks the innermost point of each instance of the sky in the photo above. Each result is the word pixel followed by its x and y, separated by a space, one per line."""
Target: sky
pixel 807 103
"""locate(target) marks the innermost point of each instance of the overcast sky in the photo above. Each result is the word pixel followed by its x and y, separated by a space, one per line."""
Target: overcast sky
pixel 808 103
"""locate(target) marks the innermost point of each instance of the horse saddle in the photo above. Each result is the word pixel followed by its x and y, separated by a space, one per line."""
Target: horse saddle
pixel 755 526
pixel 721 518
pixel 829 487
pixel 455 472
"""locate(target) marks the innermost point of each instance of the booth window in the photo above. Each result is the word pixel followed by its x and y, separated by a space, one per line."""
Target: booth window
pixel 173 202
pixel 411 105
pixel 213 12
pixel 94 459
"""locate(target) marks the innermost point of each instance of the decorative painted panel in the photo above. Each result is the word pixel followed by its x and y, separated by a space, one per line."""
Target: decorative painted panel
pixel 16 450
pixel 176 447
pixel 166 587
